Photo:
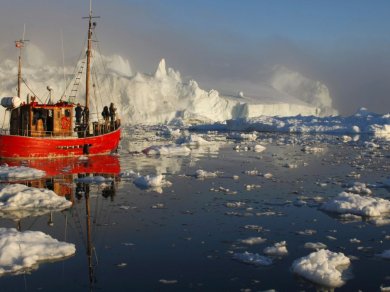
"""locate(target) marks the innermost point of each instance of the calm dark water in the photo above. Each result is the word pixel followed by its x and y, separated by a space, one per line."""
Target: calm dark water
pixel 187 242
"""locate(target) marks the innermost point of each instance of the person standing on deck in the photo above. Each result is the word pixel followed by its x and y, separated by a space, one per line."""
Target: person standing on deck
pixel 79 112
pixel 106 114
pixel 86 115
pixel 112 113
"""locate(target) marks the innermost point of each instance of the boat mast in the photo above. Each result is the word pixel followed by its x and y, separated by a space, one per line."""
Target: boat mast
pixel 88 73
pixel 19 45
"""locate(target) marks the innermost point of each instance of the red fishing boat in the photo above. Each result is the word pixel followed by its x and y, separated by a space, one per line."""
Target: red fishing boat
pixel 58 129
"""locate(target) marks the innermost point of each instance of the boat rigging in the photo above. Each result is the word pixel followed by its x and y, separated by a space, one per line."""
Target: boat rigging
pixel 59 129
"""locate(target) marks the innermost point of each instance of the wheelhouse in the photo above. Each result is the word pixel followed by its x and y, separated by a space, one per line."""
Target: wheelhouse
pixel 40 120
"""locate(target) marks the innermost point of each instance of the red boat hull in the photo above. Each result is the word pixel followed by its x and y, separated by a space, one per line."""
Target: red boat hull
pixel 18 147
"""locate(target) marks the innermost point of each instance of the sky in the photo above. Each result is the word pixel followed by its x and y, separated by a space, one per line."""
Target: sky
pixel 224 44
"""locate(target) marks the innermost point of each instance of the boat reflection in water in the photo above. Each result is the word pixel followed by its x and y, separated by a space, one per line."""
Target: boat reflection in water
pixel 104 164
pixel 93 178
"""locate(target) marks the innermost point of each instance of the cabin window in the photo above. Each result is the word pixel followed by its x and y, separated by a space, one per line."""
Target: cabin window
pixel 67 113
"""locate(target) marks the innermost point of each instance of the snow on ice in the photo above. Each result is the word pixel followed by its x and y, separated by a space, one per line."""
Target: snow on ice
pixel 315 245
pixel 20 251
pixel 19 172
pixel 171 149
pixel 356 204
pixel 18 197
pixel 252 258
pixel 362 122
pixel 253 240
pixel 151 181
pixel 322 267
pixel 200 173
pixel 278 249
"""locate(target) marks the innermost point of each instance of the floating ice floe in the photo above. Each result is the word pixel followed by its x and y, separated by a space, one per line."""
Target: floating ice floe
pixel 259 148
pixel 323 267
pixel 152 181
pixel 354 240
pixel 235 204
pixel 128 174
pixel 315 245
pixel 358 205
pixel 253 227
pixel 359 188
pixel 278 249
pixel 346 138
pixel 290 165
pixel 21 197
pixel 347 217
pixel 384 289
pixel 253 240
pixel 169 133
pixel 192 140
pixel 251 172
pixel 312 149
pixel 306 232
pixel 252 187
pixel 252 258
pixel 168 282
pixel 171 149
pixel 362 121
pixel 200 173
pixel 22 251
pixel 19 172
pixel 243 136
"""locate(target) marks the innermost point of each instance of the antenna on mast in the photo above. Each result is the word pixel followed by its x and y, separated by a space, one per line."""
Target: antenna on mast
pixel 19 45
pixel 63 59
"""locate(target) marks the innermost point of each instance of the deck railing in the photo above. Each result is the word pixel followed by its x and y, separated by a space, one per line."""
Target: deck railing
pixel 80 131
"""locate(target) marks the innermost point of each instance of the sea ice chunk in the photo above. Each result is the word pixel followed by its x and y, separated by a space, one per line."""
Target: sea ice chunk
pixel 323 267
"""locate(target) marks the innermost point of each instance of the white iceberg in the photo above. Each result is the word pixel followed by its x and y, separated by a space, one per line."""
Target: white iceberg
pixel 21 197
pixel 356 204
pixel 151 181
pixel 253 259
pixel 278 249
pixel 20 172
pixel 23 251
pixel 171 149
pixel 361 122
pixel 323 267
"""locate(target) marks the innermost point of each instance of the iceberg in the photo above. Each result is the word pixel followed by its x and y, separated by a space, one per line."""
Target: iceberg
pixel 164 96
pixel 362 122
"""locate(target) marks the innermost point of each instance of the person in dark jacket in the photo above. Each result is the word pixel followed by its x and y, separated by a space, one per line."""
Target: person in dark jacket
pixel 112 112
pixel 106 114
pixel 86 115
pixel 79 113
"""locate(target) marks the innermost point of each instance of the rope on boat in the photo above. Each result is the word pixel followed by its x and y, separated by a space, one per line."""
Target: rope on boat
pixel 76 68
pixel 25 83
